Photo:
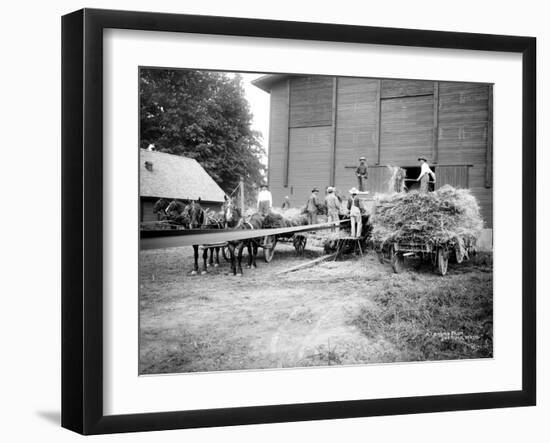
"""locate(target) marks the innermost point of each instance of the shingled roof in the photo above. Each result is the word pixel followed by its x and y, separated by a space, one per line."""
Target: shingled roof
pixel 174 176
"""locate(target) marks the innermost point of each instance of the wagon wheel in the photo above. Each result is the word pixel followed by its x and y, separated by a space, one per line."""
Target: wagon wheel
pixel 397 262
pixel 299 242
pixel 269 247
pixel 459 256
pixel 442 260
pixel 433 258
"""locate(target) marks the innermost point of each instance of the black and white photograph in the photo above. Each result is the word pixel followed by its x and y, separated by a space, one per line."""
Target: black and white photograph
pixel 294 221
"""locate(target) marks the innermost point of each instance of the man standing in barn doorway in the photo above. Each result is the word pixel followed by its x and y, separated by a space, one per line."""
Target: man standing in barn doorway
pixel 425 174
pixel 362 173
pixel 265 200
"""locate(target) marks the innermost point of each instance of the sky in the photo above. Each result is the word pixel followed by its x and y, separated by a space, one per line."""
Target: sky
pixel 259 106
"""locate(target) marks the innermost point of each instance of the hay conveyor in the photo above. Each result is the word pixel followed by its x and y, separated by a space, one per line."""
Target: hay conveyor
pixel 267 238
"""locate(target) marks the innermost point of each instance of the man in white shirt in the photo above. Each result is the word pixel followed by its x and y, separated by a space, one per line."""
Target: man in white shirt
pixel 265 200
pixel 425 174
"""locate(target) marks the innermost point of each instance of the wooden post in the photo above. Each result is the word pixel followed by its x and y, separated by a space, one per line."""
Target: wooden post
pixel 287 141
pixel 435 141
pixel 378 120
pixel 241 186
pixel 489 151
pixel 332 154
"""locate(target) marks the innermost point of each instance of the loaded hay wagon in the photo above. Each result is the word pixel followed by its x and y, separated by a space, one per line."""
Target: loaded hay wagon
pixel 434 226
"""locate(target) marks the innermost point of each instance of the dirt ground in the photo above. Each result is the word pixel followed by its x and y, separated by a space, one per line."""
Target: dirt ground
pixel 346 312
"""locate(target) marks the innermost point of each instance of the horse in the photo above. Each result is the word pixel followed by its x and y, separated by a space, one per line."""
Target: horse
pixel 198 219
pixel 231 214
pixel 160 208
pixel 177 212
pixel 255 221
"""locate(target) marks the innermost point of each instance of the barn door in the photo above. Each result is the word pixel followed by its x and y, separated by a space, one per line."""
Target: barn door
pixel 378 179
pixel 456 176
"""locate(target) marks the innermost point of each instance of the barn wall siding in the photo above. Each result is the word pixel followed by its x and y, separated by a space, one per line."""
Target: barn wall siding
pixel 311 101
pixel 278 133
pixel 406 129
pixel 414 117
pixel 146 210
pixel 356 129
pixel 309 153
pixel 405 88
pixel 463 136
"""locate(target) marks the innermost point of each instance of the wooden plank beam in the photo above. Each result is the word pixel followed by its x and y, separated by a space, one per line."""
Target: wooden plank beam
pixel 435 142
pixel 287 140
pixel 489 151
pixel 332 153
pixel 378 119
pixel 308 264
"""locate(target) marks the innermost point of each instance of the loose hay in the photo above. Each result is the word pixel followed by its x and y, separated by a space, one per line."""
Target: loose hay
pixel 280 218
pixel 284 218
pixel 447 216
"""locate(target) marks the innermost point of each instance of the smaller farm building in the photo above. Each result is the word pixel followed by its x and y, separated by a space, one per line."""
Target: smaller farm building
pixel 171 177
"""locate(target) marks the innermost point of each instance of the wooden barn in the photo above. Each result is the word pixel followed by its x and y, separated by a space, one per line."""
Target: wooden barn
pixel 320 126
pixel 173 176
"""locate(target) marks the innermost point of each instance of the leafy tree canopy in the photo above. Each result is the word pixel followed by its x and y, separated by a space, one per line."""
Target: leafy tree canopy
pixel 202 115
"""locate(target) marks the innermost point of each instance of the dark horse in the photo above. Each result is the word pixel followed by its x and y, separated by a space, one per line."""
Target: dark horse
pixel 255 221
pixel 199 220
pixel 160 209
pixel 176 212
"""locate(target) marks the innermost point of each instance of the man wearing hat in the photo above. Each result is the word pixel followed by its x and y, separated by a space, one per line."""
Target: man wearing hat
pixel 425 174
pixel 312 206
pixel 362 173
pixel 333 206
pixel 265 200
pixel 354 208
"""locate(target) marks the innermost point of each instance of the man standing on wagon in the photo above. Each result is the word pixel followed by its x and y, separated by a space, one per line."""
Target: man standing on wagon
pixel 356 218
pixel 362 173
pixel 265 200
pixel 425 174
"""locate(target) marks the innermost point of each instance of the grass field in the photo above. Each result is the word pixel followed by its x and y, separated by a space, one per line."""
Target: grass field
pixel 337 313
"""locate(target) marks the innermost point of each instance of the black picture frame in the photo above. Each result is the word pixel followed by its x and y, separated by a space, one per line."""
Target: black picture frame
pixel 82 215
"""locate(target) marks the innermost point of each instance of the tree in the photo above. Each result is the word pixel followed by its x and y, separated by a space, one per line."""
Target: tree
pixel 203 115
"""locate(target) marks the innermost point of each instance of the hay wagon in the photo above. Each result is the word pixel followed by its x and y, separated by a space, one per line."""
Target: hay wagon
pixel 437 254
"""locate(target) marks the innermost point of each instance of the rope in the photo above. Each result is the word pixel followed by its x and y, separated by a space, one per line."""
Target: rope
pixel 233 191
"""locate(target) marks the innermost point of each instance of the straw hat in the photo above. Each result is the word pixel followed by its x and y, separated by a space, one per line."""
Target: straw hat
pixel 353 190
pixel 330 189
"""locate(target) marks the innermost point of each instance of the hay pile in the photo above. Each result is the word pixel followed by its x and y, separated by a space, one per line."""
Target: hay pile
pixel 321 208
pixel 447 216
pixel 279 218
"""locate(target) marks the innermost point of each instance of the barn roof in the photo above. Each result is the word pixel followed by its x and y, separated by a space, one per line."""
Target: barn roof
pixel 175 176
pixel 266 82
